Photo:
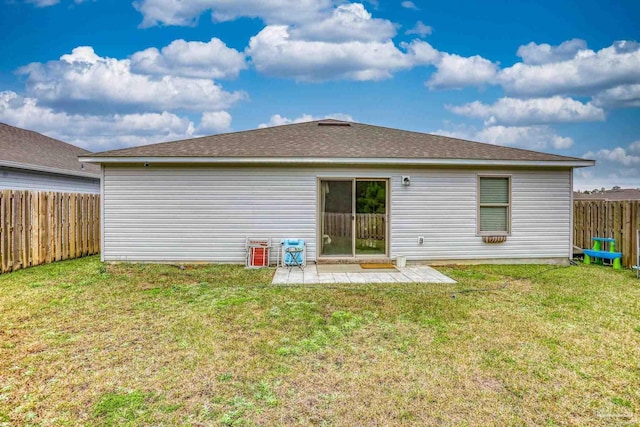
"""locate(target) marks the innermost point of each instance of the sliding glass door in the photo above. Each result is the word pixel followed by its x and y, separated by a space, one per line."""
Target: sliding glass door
pixel 353 217
pixel 371 217
pixel 336 198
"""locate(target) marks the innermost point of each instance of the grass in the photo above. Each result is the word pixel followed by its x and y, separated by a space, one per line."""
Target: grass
pixel 82 343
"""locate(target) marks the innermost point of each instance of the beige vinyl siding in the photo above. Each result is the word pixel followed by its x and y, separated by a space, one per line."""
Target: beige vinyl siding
pixel 22 179
pixel 202 214
pixel 179 213
pixel 441 206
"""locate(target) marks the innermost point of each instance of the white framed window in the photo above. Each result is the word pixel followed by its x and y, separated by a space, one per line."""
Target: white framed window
pixel 494 205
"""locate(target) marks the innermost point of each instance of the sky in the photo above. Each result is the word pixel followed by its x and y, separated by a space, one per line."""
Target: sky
pixel 556 76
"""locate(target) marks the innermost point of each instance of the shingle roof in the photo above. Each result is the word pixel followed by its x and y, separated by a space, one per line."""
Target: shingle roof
pixel 28 148
pixel 332 139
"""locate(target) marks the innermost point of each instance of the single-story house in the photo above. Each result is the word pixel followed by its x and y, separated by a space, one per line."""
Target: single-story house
pixel 352 191
pixel 32 161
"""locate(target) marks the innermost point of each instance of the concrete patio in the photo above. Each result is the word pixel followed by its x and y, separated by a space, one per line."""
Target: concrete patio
pixel 353 273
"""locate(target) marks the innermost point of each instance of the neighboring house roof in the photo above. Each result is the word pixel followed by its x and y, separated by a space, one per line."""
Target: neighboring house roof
pixel 620 194
pixel 26 149
pixel 331 139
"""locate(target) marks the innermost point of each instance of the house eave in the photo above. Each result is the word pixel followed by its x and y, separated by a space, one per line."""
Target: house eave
pixel 47 169
pixel 339 161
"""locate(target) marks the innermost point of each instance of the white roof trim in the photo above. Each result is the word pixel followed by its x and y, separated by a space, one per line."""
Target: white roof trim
pixel 340 161
pixel 47 169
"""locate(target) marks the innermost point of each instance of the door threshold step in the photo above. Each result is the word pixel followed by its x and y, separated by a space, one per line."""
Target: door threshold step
pixel 381 260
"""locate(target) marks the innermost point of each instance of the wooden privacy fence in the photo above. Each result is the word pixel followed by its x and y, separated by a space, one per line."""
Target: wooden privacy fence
pixel 368 226
pixel 38 227
pixel 615 219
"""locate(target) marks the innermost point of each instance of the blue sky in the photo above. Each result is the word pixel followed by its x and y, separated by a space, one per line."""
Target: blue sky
pixel 555 76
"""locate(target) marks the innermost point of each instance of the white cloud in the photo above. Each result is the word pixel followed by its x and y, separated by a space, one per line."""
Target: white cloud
pixel 275 52
pixel 605 175
pixel 278 120
pixel 172 12
pixel 535 54
pixel 634 147
pixel 527 137
pixel 420 29
pixel 46 3
pixel 512 111
pixel 87 80
pixel 316 40
pixel 616 166
pixel 531 137
pixel 455 72
pixel 619 97
pixel 421 52
pixel 349 44
pixel 104 132
pixel 43 3
pixel 617 155
pixel 215 122
pixel 211 60
pixel 409 5
pixel 586 73
pixel 348 22
pixel 324 43
pixel 610 76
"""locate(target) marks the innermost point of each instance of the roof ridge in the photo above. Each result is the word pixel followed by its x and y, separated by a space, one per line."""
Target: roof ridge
pixel 218 134
pixel 470 141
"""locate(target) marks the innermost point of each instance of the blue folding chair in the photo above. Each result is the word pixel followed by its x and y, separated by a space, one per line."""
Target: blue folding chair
pixel 294 253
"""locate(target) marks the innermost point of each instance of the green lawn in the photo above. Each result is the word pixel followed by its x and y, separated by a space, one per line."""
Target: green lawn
pixel 82 343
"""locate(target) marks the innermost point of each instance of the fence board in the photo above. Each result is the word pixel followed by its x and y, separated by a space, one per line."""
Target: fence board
pixel 50 230
pixel 78 231
pixel 15 230
pixel 6 244
pixel 59 226
pixel 367 226
pixel 72 225
pixel 96 224
pixel 85 229
pixel 64 221
pixel 91 239
pixel 625 245
pixel 44 240
pixel 38 227
pixel 3 237
pixel 81 231
pixel 615 219
pixel 24 228
pixel 35 230
pixel 53 227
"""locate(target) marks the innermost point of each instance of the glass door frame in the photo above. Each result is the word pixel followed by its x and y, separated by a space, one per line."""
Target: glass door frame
pixel 320 216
